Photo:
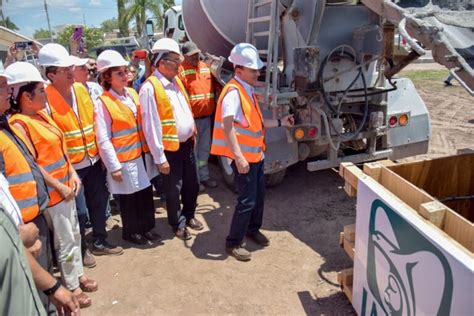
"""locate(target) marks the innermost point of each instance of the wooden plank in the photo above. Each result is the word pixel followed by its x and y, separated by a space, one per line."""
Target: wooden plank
pixel 349 248
pixel 373 170
pixel 345 279
pixel 349 232
pixel 435 212
pixel 351 173
pixel 404 190
pixel 460 229
pixel 341 239
pixel 350 190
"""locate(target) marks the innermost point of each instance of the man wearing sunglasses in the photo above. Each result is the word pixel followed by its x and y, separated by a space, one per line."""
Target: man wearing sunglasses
pixel 169 130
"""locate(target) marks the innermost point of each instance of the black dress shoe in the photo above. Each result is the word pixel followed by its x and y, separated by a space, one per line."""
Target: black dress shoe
pixel 152 236
pixel 183 234
pixel 259 238
pixel 195 224
pixel 136 239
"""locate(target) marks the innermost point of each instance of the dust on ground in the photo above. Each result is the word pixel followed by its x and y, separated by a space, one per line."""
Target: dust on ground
pixel 297 274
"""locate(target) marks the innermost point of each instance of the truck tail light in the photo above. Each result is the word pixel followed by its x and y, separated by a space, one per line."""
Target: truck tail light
pixel 393 120
pixel 312 132
pixel 299 133
pixel 403 120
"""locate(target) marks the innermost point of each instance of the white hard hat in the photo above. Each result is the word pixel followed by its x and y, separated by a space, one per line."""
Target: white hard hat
pixel 245 54
pixel 108 59
pixel 79 61
pixel 4 74
pixel 164 45
pixel 53 54
pixel 22 72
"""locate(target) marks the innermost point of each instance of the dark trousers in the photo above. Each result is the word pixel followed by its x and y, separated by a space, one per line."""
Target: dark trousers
pixel 248 214
pixel 45 258
pixel 181 184
pixel 137 211
pixel 96 196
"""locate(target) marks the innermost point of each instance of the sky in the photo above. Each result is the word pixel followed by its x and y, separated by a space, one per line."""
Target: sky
pixel 29 15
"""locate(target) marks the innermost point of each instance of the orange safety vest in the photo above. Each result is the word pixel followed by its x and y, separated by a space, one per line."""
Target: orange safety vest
pixel 50 149
pixel 169 131
pixel 199 85
pixel 127 134
pixel 250 138
pixel 22 185
pixel 78 129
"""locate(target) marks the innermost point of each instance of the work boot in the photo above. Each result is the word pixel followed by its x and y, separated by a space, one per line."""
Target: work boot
pixel 106 249
pixel 239 252
pixel 88 259
pixel 259 238
pixel 209 183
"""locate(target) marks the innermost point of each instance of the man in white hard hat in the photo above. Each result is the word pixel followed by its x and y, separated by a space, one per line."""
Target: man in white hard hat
pixel 239 134
pixel 82 75
pixel 72 108
pixel 167 116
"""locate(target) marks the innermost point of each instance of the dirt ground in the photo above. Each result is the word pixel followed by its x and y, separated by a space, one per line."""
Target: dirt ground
pixel 296 275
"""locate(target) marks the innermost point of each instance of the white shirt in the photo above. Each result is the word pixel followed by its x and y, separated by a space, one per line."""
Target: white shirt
pixel 8 203
pixel 231 105
pixel 95 90
pixel 135 175
pixel 151 118
pixel 87 161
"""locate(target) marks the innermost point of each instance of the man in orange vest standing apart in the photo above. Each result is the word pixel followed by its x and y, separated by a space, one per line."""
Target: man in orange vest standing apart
pixel 200 85
pixel 72 109
pixel 239 134
pixel 169 130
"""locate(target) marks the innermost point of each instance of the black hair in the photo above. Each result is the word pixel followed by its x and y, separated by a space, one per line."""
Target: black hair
pixel 105 78
pixel 15 102
pixel 50 69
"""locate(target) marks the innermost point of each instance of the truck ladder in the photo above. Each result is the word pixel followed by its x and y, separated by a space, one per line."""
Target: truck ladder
pixel 270 30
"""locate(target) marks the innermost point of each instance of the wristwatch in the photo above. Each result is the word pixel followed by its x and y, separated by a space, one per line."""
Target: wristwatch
pixel 52 289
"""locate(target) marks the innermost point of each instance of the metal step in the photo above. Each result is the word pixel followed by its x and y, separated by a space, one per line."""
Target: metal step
pixel 261 34
pixel 262 3
pixel 259 19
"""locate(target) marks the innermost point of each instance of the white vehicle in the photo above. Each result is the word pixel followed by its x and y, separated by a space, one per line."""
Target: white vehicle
pixel 174 26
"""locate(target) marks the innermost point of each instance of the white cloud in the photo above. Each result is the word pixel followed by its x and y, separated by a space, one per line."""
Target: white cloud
pixel 95 2
pixel 75 9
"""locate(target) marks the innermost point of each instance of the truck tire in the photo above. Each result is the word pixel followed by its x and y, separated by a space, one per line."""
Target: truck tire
pixel 274 179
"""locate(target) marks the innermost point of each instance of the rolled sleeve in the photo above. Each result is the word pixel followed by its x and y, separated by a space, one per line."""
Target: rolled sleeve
pixel 151 123
pixel 103 124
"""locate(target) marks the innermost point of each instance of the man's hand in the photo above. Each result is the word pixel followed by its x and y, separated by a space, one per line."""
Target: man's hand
pixel 164 168
pixel 76 184
pixel 35 250
pixel 288 121
pixel 65 302
pixel 29 234
pixel 66 192
pixel 242 165
pixel 117 176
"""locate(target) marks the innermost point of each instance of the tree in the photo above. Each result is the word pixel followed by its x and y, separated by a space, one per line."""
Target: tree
pixel 136 10
pixel 9 24
pixel 109 25
pixel 122 20
pixel 41 34
pixel 92 37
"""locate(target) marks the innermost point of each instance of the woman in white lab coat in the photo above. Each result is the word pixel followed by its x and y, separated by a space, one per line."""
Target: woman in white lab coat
pixel 123 150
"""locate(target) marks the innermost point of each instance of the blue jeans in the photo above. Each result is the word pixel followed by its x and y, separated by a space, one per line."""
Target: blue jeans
pixel 203 146
pixel 96 196
pixel 248 214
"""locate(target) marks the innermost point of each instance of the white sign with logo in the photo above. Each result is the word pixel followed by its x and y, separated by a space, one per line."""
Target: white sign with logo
pixel 404 265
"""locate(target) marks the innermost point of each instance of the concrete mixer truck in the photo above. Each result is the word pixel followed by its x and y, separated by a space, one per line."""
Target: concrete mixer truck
pixel 330 63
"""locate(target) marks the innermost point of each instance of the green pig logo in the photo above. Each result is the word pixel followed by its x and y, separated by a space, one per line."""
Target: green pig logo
pixel 406 274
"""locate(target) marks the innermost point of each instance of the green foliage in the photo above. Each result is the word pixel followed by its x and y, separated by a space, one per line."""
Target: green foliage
pixel 92 37
pixel 122 21
pixel 423 75
pixel 9 24
pixel 41 34
pixel 109 25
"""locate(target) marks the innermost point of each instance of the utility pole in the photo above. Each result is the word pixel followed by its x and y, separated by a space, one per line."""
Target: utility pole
pixel 84 19
pixel 49 23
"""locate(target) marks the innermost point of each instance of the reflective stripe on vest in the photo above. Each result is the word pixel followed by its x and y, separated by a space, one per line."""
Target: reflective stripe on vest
pixel 22 185
pixel 125 129
pixel 50 148
pixel 251 138
pixel 78 129
pixel 200 87
pixel 169 130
